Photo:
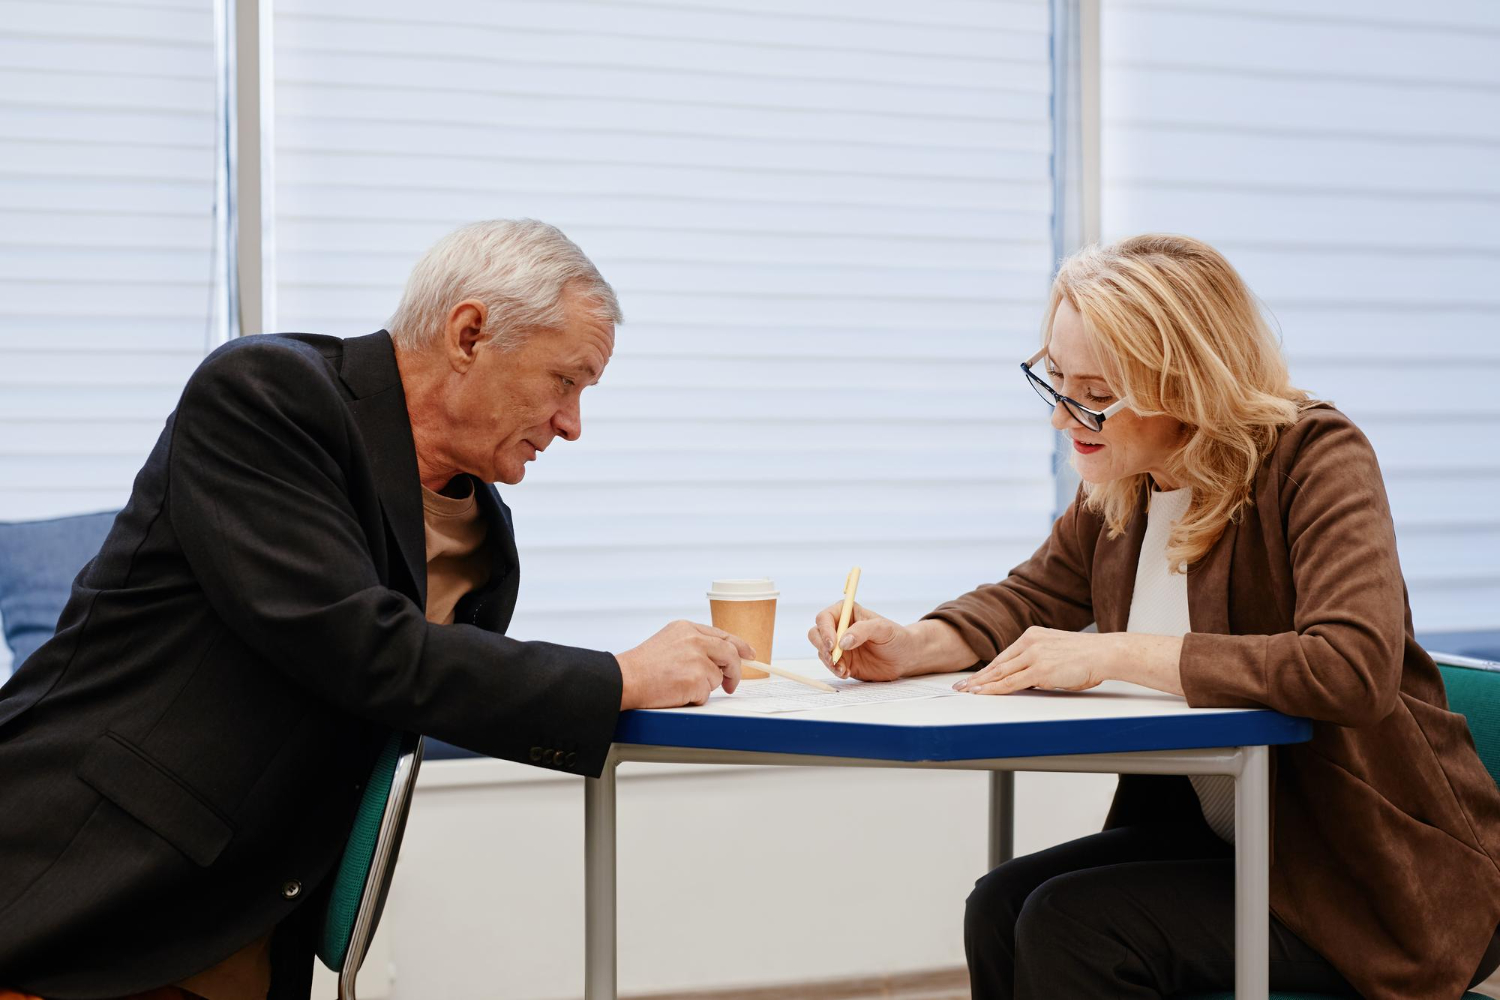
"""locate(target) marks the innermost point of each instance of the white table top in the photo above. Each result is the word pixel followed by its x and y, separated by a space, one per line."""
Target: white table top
pixel 1113 717
pixel 1111 700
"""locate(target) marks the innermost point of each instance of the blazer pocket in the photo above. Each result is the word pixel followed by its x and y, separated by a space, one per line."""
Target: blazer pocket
pixel 152 795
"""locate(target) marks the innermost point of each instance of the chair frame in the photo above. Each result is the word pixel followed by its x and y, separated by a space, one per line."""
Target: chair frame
pixel 382 862
pixel 1469 662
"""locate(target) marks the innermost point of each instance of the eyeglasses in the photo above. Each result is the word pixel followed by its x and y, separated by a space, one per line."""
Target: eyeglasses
pixel 1091 419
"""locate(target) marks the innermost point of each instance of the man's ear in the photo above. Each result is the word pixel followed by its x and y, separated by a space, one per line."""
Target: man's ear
pixel 464 333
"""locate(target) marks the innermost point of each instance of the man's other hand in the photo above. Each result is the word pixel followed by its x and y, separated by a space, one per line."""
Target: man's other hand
pixel 681 665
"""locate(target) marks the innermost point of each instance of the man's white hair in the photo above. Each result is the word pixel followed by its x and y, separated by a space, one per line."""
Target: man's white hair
pixel 519 268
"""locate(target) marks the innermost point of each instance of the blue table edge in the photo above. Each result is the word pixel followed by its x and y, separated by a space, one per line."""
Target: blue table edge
pixel 960 741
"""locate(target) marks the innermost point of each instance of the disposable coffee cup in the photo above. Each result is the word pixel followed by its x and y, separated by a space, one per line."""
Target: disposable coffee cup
pixel 746 608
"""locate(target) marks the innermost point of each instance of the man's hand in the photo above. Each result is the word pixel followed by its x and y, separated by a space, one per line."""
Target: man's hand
pixel 681 665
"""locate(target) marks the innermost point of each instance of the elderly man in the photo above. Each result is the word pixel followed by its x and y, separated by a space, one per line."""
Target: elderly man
pixel 312 557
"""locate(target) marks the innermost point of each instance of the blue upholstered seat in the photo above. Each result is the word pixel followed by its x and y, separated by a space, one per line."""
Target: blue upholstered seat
pixel 38 561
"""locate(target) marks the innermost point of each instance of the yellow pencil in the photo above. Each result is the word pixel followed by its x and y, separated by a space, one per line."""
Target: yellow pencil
pixel 791 676
pixel 851 584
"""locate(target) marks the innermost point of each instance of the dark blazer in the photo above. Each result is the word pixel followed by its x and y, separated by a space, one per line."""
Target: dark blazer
pixel 1385 827
pixel 180 764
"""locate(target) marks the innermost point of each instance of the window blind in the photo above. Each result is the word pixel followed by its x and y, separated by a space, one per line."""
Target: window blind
pixel 828 224
pixel 1345 160
pixel 106 240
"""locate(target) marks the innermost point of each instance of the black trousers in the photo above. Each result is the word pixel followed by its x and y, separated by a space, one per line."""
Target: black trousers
pixel 1138 911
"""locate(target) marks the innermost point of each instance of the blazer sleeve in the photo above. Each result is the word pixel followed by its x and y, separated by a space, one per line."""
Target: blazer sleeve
pixel 259 499
pixel 1050 589
pixel 1343 662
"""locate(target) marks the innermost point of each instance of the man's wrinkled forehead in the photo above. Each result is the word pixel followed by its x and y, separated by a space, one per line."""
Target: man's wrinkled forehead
pixel 591 343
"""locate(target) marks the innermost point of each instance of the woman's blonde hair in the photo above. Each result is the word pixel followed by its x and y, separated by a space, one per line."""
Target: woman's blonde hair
pixel 1178 333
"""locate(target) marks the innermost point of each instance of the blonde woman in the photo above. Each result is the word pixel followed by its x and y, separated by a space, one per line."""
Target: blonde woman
pixel 1233 542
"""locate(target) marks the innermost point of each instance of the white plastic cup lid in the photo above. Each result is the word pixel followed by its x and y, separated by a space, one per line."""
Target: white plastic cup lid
pixel 743 590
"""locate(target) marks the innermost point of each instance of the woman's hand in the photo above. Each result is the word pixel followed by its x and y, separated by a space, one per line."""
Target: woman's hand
pixel 875 648
pixel 1050 659
pixel 1045 658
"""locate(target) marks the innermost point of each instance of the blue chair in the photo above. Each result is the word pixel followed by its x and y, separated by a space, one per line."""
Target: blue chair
pixel 1474 692
pixel 38 561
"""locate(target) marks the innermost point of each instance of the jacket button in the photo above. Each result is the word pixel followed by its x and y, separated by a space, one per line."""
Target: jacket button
pixel 291 888
pixel 536 754
pixel 572 758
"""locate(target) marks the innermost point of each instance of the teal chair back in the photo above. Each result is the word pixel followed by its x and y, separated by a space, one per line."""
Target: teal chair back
pixel 369 860
pixel 1473 692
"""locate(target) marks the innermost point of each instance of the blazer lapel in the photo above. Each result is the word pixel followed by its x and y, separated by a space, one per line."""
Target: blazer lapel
pixel 1208 585
pixel 379 407
pixel 1115 562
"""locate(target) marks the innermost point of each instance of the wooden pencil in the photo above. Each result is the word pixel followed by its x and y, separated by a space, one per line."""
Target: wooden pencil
pixel 791 676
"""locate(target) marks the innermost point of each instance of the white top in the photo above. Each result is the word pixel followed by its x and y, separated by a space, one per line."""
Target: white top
pixel 1159 606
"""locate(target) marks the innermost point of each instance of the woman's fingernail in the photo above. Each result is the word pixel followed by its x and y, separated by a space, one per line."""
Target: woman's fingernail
pixel 847 642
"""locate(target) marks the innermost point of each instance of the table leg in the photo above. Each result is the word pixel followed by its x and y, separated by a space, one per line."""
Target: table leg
pixel 599 964
pixel 1252 874
pixel 1002 817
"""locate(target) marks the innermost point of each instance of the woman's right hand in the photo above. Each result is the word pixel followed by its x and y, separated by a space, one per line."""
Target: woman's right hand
pixel 875 648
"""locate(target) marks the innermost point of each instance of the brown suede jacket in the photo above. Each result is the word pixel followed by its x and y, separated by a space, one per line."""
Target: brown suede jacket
pixel 1385 827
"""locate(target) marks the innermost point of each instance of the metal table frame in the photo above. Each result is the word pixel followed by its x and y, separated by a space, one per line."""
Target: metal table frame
pixel 1248 765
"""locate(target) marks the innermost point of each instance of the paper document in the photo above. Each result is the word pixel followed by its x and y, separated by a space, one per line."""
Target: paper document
pixel 775 695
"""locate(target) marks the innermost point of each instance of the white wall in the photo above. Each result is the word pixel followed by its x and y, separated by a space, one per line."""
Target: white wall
pixel 1346 158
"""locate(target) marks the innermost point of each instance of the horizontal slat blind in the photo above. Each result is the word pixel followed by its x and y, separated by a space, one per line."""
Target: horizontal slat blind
pixel 106 240
pixel 829 227
pixel 1347 159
